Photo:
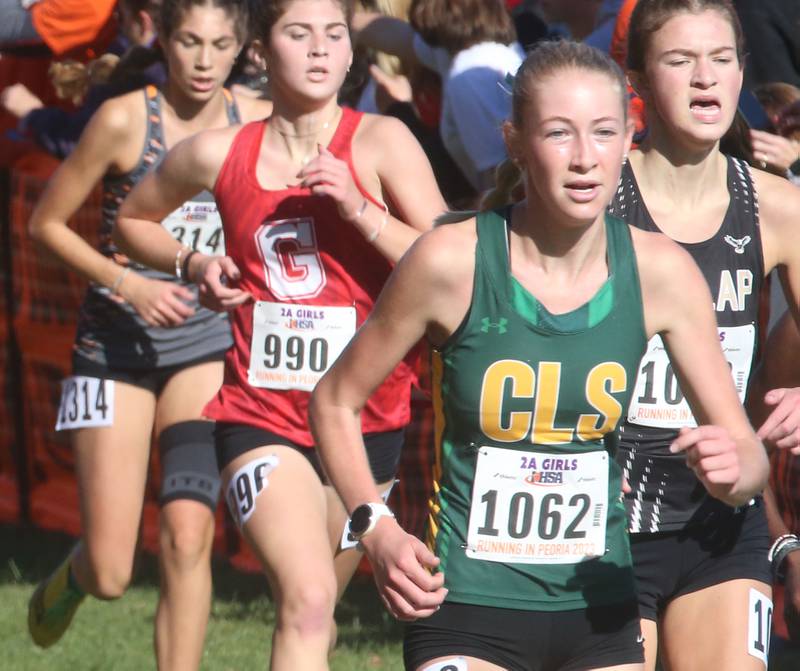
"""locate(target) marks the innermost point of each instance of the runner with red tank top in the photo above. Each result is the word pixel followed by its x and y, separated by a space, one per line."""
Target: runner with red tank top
pixel 309 245
pixel 298 253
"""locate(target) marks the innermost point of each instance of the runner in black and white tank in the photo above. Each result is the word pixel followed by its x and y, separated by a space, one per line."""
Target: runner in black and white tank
pixel 695 556
pixel 665 494
pixel 147 356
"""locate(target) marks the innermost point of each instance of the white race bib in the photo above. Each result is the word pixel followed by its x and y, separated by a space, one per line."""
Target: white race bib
pixel 293 345
pixel 759 625
pixel 85 402
pixel 658 400
pixel 198 226
pixel 538 508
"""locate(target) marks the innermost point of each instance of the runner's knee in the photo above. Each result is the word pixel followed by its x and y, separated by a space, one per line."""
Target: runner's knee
pixel 185 541
pixel 110 575
pixel 307 608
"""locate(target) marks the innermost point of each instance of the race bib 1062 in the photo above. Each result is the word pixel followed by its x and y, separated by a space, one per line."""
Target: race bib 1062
pixel 538 508
pixel 658 400
pixel 293 345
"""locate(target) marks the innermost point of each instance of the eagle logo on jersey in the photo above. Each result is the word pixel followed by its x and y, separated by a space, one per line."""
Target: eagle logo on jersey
pixel 738 244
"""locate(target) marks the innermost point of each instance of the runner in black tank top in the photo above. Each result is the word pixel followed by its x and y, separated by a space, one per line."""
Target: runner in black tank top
pixel 693 554
pixel 134 378
pixel 666 494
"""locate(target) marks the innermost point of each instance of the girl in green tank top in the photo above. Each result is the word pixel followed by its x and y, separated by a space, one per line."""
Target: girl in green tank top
pixel 538 314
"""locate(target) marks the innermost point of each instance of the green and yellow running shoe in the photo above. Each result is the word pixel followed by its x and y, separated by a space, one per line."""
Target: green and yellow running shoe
pixel 53 605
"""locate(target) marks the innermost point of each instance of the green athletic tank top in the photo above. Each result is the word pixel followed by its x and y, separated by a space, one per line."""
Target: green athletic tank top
pixel 527 509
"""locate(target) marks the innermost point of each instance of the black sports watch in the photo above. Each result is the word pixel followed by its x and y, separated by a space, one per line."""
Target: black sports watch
pixel 794 168
pixel 365 517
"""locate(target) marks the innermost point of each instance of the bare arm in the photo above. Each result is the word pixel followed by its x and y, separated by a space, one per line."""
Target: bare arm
pixel 107 143
pixel 428 292
pixel 388 159
pixel 723 450
pixel 70 186
pixel 779 212
pixel 189 167
pixel 773 400
pixel 385 33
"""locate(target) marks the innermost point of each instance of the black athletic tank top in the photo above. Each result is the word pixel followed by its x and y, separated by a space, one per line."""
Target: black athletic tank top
pixel 665 492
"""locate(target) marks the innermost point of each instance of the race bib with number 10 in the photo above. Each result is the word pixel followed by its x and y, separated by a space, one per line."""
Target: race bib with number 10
pixel 658 400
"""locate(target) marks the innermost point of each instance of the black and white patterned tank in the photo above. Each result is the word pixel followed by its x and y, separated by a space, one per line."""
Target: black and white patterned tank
pixel 665 492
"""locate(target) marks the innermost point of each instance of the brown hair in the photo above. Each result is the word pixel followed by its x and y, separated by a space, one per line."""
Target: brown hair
pixel 456 25
pixel 172 12
pixel 649 16
pixel 775 96
pixel 71 79
pixel 266 13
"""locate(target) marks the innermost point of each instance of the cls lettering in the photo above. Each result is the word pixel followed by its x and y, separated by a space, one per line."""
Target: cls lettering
pixel 542 387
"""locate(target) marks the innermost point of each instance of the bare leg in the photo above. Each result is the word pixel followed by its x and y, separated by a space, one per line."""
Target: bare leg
pixel 186 536
pixel 708 629
pixel 650 634
pixel 288 533
pixel 111 466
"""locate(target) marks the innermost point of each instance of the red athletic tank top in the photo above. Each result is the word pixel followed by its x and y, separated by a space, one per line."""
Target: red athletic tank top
pixel 314 279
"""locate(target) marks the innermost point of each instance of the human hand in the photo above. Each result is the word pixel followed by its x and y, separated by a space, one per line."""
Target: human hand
pixel 211 275
pixel 775 150
pixel 390 89
pixel 401 564
pixel 158 303
pixel 712 454
pixel 18 100
pixel 327 175
pixel 782 428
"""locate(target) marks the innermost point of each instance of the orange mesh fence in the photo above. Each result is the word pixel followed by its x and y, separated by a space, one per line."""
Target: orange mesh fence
pixel 9 508
pixel 46 298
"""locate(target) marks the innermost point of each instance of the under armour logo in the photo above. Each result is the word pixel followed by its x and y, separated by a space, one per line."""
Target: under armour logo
pixel 738 244
pixel 486 324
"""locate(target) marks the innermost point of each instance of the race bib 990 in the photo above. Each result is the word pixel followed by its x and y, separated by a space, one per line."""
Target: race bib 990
pixel 538 508
pixel 658 400
pixel 85 402
pixel 293 345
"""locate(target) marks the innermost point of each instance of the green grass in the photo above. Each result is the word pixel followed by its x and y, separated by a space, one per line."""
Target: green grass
pixel 117 635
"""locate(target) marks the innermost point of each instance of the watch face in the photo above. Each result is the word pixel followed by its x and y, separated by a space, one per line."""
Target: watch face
pixel 795 167
pixel 359 520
